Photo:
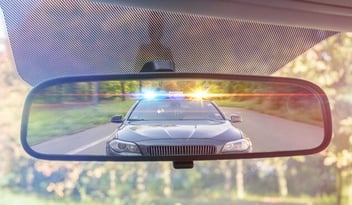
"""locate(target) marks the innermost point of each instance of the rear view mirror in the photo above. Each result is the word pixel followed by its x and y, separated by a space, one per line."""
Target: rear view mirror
pixel 174 116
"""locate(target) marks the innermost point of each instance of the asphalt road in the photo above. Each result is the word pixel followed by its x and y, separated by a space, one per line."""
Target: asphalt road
pixel 267 133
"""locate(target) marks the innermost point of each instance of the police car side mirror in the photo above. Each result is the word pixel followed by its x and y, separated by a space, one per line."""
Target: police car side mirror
pixel 235 118
pixel 117 119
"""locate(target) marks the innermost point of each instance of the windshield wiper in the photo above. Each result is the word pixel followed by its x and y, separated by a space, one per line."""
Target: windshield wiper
pixel 136 120
pixel 200 119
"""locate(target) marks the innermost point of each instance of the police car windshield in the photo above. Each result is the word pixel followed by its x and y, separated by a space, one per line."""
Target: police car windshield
pixel 175 110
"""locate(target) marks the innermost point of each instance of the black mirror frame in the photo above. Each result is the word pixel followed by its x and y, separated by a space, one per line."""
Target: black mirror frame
pixel 327 123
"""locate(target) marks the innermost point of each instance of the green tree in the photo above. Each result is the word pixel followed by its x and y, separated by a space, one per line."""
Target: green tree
pixel 328 64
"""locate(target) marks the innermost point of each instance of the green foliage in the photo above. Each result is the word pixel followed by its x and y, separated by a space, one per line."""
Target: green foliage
pixel 51 121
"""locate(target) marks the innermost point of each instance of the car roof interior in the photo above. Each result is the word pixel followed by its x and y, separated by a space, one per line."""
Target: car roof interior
pixel 319 14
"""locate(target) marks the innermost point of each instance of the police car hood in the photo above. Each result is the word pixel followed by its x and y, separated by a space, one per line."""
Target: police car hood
pixel 182 129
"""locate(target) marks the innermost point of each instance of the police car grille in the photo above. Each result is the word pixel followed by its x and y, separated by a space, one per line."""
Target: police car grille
pixel 181 150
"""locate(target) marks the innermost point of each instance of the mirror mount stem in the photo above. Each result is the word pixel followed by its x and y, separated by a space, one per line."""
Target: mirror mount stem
pixel 183 164
pixel 158 66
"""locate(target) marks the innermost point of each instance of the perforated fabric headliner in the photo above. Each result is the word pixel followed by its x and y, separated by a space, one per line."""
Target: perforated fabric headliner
pixel 51 39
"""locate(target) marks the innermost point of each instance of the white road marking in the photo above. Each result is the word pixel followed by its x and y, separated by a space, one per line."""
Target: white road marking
pixel 84 147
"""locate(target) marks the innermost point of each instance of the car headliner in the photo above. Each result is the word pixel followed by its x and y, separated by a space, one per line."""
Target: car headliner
pixel 44 40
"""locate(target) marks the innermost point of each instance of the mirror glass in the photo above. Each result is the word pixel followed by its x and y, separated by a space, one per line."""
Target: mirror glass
pixel 173 117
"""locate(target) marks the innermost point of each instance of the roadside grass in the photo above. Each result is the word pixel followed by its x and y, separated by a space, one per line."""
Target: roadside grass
pixel 248 200
pixel 311 116
pixel 47 122
pixel 20 198
pixel 30 198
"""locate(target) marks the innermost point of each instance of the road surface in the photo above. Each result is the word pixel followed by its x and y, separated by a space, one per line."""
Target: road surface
pixel 267 133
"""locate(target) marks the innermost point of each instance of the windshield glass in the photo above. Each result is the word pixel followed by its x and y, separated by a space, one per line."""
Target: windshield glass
pixel 175 110
pixel 53 38
pixel 87 37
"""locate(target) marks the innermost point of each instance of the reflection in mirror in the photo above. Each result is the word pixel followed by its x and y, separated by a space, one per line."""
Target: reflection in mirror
pixel 174 118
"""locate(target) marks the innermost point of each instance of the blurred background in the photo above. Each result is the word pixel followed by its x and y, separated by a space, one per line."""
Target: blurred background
pixel 324 178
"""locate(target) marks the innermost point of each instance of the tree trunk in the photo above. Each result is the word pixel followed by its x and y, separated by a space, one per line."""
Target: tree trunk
pixel 226 169
pixel 141 176
pixel 123 91
pixel 140 86
pixel 167 179
pixel 95 97
pixel 29 178
pixel 112 176
pixel 239 179
pixel 344 186
pixel 282 182
pixel 227 177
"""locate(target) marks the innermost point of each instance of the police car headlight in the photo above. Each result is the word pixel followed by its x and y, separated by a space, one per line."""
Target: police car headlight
pixel 242 145
pixel 122 146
